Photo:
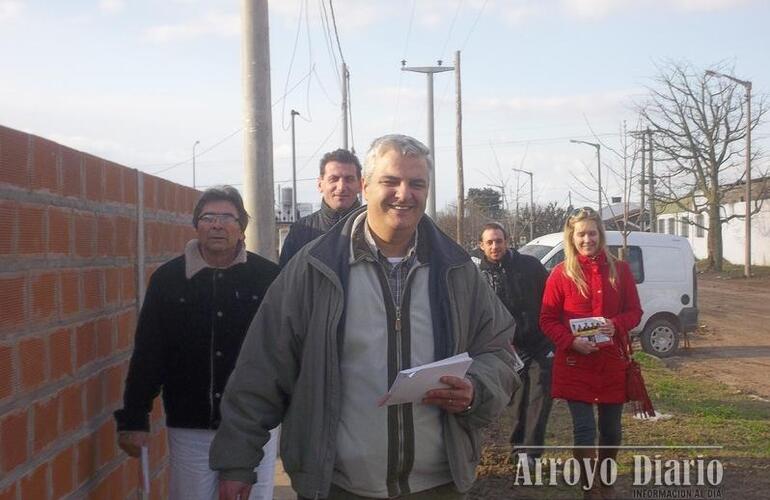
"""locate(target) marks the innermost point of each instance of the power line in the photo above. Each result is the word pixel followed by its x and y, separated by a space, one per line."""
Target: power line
pixel 403 58
pixel 451 29
pixel 291 62
pixel 336 32
pixel 199 154
pixel 329 44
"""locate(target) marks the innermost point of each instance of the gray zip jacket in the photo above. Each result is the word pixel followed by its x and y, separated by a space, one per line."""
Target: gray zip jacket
pixel 288 371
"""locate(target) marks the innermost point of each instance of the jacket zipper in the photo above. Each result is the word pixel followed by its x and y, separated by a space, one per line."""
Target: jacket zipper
pixel 211 353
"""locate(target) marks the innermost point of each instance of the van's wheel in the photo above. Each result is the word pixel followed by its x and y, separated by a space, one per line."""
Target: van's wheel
pixel 660 338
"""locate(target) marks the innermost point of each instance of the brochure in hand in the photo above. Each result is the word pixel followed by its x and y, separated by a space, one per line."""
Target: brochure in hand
pixel 587 327
pixel 411 384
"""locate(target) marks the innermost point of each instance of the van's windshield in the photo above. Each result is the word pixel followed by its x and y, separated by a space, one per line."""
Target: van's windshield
pixel 537 251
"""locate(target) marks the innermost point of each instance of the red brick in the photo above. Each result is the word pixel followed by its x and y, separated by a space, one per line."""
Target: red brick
pixel 85 344
pixel 113 385
pixel 94 399
pixel 106 438
pixel 71 408
pixel 92 289
pixel 109 488
pixel 14 147
pixel 6 371
pixel 60 349
pixel 33 486
pixel 13 440
pixel 127 285
pixel 113 182
pixel 8 213
pixel 85 235
pixel 129 185
pixel 105 237
pixel 59 231
pixel 32 362
pixel 45 156
pixel 12 294
pixel 131 476
pixel 125 237
pixel 62 473
pixel 150 191
pixel 93 170
pixel 125 330
pixel 86 461
pixel 69 284
pixel 43 296
pixel 9 493
pixel 104 328
pixel 32 230
pixel 111 285
pixel 46 423
pixel 71 161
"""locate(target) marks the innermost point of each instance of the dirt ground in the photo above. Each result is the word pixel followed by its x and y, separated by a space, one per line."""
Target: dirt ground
pixel 732 344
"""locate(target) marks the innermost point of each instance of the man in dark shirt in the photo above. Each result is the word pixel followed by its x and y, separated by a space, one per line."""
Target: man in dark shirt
pixel 518 281
pixel 339 183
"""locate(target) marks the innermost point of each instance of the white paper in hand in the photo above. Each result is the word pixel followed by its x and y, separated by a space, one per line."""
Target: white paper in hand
pixel 411 384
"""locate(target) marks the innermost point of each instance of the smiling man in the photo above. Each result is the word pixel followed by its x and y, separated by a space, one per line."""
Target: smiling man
pixel 382 291
pixel 339 183
pixel 193 321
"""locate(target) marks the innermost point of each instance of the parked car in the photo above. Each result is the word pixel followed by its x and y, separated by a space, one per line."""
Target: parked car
pixel 664 269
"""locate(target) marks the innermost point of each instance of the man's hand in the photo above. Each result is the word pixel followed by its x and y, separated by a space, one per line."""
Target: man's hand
pixel 132 441
pixel 233 490
pixel 455 399
pixel 583 345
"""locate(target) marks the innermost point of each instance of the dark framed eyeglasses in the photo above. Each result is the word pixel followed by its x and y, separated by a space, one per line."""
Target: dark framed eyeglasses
pixel 582 210
pixel 224 219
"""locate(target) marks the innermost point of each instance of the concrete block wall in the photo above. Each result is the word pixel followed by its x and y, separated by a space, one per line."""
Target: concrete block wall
pixel 68 307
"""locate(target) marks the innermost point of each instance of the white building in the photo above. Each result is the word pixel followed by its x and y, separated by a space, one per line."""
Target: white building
pixel 675 221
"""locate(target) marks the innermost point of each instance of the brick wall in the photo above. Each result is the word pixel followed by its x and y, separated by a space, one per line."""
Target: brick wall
pixel 68 308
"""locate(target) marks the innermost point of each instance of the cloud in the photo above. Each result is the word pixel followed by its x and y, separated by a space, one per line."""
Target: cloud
pixel 111 6
pixel 212 24
pixel 10 10
pixel 568 103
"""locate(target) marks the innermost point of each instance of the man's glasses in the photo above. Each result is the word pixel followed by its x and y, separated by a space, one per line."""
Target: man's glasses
pixel 224 219
pixel 582 210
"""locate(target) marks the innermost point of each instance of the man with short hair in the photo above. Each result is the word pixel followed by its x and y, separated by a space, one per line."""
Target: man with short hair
pixel 383 291
pixel 518 281
pixel 196 311
pixel 339 183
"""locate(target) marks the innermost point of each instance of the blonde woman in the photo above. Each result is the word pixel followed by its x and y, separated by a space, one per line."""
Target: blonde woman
pixel 590 283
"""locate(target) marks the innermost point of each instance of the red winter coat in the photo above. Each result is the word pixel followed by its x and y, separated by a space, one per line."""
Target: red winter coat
pixel 598 377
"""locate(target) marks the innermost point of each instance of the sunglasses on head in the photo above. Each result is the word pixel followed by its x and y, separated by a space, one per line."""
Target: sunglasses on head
pixel 581 211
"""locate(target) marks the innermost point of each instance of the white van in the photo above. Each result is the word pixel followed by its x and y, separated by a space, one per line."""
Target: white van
pixel 664 269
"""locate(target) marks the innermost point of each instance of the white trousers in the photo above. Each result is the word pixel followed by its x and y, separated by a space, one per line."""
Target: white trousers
pixel 190 477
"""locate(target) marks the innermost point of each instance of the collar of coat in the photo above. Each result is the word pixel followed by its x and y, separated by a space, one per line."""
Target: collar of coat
pixel 332 216
pixel 599 259
pixel 194 262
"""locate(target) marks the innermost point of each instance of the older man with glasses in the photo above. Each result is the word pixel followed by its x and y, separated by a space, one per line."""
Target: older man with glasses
pixel 193 321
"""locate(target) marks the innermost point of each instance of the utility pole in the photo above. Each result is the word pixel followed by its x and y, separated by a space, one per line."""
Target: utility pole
pixel 598 169
pixel 429 70
pixel 747 228
pixel 195 144
pixel 531 202
pixel 643 134
pixel 651 183
pixel 293 169
pixel 257 128
pixel 345 76
pixel 459 153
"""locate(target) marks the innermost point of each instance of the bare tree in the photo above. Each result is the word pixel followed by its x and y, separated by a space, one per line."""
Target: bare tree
pixel 699 128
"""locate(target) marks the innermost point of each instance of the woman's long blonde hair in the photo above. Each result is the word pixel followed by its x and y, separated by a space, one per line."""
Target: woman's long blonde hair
pixel 571 264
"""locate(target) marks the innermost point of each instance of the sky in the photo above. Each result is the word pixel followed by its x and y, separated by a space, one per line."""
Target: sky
pixel 139 82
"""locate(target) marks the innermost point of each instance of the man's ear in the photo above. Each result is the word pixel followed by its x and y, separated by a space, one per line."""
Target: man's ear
pixel 318 184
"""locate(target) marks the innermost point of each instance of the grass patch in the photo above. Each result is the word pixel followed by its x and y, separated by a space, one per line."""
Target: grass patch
pixel 730 270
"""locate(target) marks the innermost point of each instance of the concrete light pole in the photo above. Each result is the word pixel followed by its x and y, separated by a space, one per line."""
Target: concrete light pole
pixel 194 146
pixel 598 168
pixel 531 202
pixel 293 170
pixel 429 70
pixel 747 247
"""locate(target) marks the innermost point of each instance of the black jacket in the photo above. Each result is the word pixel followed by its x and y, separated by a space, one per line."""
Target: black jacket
pixel 311 227
pixel 525 279
pixel 188 339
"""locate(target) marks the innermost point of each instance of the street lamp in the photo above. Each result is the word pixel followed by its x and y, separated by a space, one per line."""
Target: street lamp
pixel 598 168
pixel 747 247
pixel 531 203
pixel 293 170
pixel 194 146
